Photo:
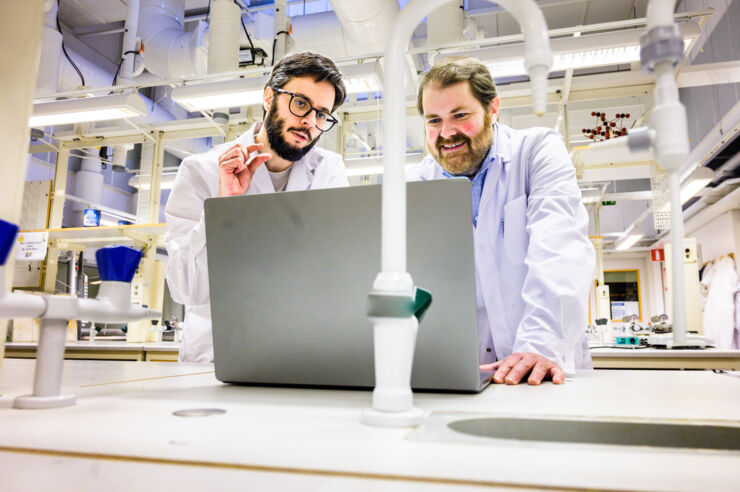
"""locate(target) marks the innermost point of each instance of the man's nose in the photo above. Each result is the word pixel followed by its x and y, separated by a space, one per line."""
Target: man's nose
pixel 448 129
pixel 309 120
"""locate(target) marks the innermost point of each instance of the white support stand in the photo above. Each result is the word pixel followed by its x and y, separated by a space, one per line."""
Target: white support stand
pixel 47 380
pixel 394 340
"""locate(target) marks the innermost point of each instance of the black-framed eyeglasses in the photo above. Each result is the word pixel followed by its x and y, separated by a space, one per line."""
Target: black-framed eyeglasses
pixel 300 107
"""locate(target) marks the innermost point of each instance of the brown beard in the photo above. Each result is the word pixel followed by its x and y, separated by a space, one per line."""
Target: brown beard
pixel 466 161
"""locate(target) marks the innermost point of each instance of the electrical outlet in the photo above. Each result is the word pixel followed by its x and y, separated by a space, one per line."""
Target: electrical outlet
pixel 628 341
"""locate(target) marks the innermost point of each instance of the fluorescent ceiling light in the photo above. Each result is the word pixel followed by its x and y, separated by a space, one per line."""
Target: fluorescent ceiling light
pixel 592 50
pixel 362 77
pixel 695 182
pixel 167 180
pixel 591 195
pixel 215 95
pixel 87 109
pixel 360 85
pixel 628 239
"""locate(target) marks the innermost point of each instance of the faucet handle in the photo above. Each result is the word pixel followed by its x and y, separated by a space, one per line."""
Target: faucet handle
pixel 118 263
pixel 8 232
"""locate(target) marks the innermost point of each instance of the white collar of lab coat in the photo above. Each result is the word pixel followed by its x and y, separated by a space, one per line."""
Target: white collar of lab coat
pixel 502 157
pixel 301 174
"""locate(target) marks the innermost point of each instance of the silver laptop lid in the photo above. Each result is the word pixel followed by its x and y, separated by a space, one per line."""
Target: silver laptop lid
pixel 290 274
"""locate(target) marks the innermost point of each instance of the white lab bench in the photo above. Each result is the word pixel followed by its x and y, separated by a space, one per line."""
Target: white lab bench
pixel 653 358
pixel 122 434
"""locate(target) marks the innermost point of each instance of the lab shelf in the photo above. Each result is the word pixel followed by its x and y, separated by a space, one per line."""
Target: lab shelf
pixel 100 236
pixel 102 350
pixel 653 358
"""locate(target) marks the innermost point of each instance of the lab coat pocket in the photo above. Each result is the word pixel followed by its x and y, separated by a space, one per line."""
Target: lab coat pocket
pixel 514 229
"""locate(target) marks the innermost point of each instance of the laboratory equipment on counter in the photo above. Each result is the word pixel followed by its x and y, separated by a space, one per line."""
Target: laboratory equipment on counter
pixel 631 325
pixel 395 333
pixel 116 265
pixel 661 324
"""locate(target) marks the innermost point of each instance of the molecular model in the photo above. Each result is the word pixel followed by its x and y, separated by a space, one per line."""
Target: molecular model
pixel 606 129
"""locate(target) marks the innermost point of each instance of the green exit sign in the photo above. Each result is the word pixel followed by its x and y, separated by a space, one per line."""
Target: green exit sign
pixel 609 202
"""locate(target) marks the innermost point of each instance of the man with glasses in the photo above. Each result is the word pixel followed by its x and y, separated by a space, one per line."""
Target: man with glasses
pixel 272 156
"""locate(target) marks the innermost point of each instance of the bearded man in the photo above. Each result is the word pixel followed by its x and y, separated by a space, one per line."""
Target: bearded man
pixel 534 262
pixel 302 92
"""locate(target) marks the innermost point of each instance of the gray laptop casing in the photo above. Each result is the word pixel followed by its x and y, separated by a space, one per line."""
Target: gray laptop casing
pixel 290 274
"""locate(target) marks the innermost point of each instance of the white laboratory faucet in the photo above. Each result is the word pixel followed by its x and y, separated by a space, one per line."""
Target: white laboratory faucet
pixel 117 265
pixel 393 300
pixel 661 50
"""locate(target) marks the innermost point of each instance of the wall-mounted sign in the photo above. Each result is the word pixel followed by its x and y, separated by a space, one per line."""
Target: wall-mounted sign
pixel 657 254
pixel 32 246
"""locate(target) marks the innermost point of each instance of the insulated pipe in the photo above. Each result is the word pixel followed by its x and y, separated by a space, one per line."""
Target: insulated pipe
pixel 88 185
pixel 223 44
pixel 445 24
pixel 280 29
pixel 126 75
pixel 224 36
pixel 367 23
pixel 129 43
pixel 169 52
pixel 51 53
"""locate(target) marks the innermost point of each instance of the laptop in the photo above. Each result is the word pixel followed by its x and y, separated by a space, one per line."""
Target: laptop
pixel 290 274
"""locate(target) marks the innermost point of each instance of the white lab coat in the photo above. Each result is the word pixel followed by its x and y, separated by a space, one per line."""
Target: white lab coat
pixel 719 280
pixel 534 261
pixel 187 268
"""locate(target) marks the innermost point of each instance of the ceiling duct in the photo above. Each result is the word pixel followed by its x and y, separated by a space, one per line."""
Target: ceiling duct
pixel 169 51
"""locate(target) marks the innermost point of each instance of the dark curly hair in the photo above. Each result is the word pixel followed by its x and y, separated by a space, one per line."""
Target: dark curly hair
pixel 308 64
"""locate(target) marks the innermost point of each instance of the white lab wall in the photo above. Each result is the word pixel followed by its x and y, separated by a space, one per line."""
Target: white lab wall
pixel 650 284
pixel 720 236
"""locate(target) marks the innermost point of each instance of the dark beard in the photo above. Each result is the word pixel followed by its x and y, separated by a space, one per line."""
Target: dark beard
pixel 275 126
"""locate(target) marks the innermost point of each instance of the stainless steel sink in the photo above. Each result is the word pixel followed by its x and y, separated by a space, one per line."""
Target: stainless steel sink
pixel 670 435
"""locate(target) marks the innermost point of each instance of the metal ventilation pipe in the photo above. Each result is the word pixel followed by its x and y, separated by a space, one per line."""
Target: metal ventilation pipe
pixel 223 44
pixel 88 186
pixel 51 53
pixel 169 52
pixel 445 25
pixel 367 23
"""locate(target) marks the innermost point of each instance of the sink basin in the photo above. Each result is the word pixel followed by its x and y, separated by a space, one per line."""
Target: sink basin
pixel 670 435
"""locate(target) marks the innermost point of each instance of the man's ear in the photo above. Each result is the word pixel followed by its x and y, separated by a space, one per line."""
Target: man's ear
pixel 267 97
pixel 493 108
